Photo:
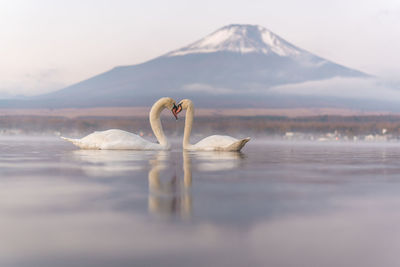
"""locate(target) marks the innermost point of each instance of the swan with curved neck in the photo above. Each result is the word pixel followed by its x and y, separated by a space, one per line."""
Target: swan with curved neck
pixel 119 139
pixel 211 143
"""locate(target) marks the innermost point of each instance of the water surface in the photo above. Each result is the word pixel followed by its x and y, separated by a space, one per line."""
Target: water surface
pixel 275 204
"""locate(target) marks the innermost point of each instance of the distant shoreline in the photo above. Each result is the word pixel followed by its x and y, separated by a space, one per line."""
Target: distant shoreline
pixel 321 127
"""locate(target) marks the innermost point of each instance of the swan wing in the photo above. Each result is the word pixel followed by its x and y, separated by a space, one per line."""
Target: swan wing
pixel 221 143
pixel 114 139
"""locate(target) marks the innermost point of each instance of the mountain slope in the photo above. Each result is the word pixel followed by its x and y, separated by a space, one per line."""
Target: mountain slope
pixel 233 67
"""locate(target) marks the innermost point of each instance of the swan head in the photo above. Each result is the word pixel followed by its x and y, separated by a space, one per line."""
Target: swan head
pixel 170 104
pixel 183 104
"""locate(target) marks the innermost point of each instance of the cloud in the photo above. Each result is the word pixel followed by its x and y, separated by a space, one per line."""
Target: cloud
pixel 32 83
pixel 357 88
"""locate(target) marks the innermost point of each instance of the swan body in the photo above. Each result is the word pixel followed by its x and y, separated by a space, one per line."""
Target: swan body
pixel 123 140
pixel 114 139
pixel 219 143
pixel 211 143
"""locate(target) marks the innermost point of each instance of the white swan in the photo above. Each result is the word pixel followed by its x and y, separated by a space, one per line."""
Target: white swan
pixel 211 143
pixel 119 139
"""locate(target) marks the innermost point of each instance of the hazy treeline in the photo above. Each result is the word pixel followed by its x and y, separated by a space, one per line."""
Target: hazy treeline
pixel 263 125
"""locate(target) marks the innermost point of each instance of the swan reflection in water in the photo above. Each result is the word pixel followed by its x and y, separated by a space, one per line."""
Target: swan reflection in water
pixel 209 161
pixel 168 193
pixel 172 196
pixel 101 163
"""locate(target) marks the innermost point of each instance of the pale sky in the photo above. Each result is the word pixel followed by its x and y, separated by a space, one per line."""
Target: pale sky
pixel 46 45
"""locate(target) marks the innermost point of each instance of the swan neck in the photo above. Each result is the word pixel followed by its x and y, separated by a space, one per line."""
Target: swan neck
pixel 155 123
pixel 188 126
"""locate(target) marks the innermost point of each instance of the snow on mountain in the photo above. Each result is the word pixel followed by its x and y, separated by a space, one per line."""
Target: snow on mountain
pixel 241 39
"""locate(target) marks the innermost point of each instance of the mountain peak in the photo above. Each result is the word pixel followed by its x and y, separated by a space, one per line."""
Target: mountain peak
pixel 240 38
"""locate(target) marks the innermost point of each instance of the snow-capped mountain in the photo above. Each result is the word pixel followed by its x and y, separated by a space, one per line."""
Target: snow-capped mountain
pixel 241 39
pixel 235 66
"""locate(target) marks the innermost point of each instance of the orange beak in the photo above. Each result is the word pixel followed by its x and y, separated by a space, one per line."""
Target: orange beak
pixel 175 110
pixel 175 113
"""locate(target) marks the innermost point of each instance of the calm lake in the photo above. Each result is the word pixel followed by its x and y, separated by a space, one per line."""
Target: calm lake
pixel 275 204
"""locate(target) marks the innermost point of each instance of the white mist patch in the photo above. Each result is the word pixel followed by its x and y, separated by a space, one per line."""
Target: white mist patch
pixel 342 87
pixel 206 88
pixel 31 83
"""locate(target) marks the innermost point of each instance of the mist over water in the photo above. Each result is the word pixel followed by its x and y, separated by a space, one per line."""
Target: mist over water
pixel 278 203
